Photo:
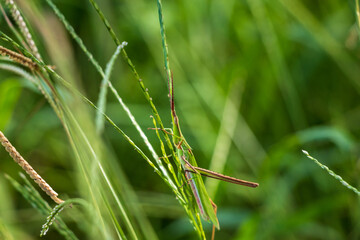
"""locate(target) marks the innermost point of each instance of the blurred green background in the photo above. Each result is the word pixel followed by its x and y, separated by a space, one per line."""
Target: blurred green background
pixel 256 81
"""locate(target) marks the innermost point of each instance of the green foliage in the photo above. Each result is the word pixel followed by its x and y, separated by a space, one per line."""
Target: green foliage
pixel 255 82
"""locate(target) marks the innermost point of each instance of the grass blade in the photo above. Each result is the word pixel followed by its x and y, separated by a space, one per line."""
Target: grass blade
pixel 103 89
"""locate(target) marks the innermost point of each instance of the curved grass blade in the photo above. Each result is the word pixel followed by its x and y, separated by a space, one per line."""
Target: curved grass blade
pixel 103 89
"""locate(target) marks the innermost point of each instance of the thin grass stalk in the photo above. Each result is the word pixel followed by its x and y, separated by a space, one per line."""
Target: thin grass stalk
pixel 106 22
pixel 76 37
pixel 165 48
pixel 115 222
pixel 331 173
pixel 167 69
pixel 357 11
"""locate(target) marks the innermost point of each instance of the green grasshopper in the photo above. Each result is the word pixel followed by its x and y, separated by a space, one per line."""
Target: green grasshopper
pixel 207 207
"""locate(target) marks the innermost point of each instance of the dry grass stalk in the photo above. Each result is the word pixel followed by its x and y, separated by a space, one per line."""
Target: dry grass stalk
pixel 28 169
pixel 16 57
pixel 23 28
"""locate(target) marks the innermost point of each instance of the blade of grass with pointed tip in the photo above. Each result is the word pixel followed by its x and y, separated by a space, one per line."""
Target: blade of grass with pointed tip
pixel 100 121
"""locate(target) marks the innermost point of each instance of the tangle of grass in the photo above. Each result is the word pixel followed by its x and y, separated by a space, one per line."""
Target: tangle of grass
pixel 34 198
pixel 101 72
pixel 144 89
